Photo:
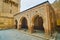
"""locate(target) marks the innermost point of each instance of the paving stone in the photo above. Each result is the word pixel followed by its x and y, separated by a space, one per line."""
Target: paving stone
pixel 16 35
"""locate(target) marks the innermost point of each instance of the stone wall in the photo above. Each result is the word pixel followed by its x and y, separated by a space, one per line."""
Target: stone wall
pixel 7 9
pixel 56 6
pixel 11 6
pixel 6 22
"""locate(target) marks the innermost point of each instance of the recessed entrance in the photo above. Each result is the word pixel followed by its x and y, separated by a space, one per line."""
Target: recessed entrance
pixel 16 22
pixel 24 24
pixel 38 24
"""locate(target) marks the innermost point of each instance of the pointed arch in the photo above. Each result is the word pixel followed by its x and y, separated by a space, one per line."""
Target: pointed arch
pixel 23 22
pixel 38 23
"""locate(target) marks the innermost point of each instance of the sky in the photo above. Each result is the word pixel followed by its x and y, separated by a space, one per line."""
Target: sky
pixel 25 4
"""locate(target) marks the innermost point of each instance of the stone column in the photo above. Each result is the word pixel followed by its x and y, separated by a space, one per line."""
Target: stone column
pixel 48 21
pixel 19 26
pixel 31 28
pixel 47 34
pixel 47 27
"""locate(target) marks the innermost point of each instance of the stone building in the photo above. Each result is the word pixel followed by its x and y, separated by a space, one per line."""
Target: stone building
pixel 56 6
pixel 7 9
pixel 39 17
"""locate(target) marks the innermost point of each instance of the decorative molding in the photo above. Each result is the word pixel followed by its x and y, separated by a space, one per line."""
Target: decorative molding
pixel 6 17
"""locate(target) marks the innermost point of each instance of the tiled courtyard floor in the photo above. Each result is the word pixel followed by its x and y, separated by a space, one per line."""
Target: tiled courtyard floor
pixel 13 34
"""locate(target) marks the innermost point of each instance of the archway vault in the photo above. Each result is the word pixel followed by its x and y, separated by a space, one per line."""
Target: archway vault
pixel 23 23
pixel 37 23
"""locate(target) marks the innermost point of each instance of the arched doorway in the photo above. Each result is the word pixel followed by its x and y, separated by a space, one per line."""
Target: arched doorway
pixel 24 24
pixel 38 24
pixel 16 22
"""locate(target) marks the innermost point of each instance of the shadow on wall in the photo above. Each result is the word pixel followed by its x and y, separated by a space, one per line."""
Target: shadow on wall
pixel 16 22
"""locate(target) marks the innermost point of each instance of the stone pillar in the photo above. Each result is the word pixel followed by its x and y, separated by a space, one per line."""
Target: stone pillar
pixel 47 27
pixel 47 33
pixel 31 28
pixel 19 26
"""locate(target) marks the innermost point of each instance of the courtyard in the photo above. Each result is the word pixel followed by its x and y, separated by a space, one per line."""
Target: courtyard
pixel 14 34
